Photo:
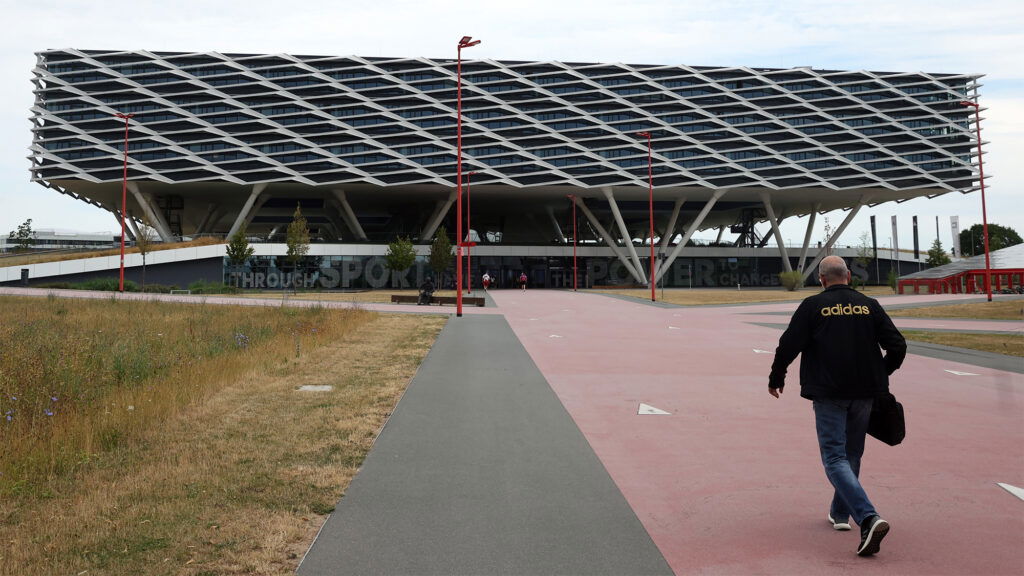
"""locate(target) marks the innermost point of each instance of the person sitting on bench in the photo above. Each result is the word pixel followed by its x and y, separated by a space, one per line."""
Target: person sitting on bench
pixel 426 292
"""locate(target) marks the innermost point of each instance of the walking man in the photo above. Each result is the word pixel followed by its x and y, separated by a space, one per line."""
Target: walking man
pixel 840 332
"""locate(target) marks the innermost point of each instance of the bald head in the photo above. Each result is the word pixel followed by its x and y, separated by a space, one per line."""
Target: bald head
pixel 833 270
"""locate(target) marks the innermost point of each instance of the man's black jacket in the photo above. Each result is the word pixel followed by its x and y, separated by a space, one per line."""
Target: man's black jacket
pixel 839 332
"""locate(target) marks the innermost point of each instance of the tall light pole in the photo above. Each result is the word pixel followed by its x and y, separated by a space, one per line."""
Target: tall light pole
pixel 124 194
pixel 575 275
pixel 650 205
pixel 469 231
pixel 984 215
pixel 464 42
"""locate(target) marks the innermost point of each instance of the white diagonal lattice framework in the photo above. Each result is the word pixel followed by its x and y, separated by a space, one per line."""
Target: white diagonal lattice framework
pixel 319 121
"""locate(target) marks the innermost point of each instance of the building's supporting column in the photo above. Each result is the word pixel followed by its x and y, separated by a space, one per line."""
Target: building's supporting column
pixel 689 232
pixel 558 229
pixel 134 232
pixel 210 209
pixel 627 238
pixel 348 214
pixel 807 235
pixel 828 245
pixel 607 238
pixel 152 212
pixel 766 200
pixel 670 231
pixel 244 217
pixel 440 211
pixel 721 230
pixel 336 225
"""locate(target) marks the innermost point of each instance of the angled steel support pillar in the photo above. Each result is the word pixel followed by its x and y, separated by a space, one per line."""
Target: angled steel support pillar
pixel 627 238
pixel 210 209
pixel 244 217
pixel 558 229
pixel 828 245
pixel 440 211
pixel 152 211
pixel 348 214
pixel 607 238
pixel 134 233
pixel 770 211
pixel 807 235
pixel 689 232
pixel 670 231
pixel 721 230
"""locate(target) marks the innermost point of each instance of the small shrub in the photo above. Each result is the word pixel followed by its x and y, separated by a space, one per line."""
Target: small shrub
pixel 791 280
pixel 855 282
pixel 204 287
pixel 893 278
pixel 106 285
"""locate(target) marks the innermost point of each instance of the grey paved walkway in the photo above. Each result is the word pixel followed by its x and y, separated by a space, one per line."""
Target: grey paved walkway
pixel 482 471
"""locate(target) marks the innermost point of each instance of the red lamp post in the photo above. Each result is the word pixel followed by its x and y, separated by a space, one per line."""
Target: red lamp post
pixel 575 275
pixel 464 42
pixel 984 215
pixel 469 232
pixel 124 194
pixel 650 204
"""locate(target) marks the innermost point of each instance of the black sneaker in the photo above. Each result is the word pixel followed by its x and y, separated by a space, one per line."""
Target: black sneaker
pixel 842 526
pixel 872 530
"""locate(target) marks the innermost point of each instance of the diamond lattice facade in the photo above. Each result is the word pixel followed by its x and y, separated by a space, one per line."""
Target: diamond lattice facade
pixel 367 145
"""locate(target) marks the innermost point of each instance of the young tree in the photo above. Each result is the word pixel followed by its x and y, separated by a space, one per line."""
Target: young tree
pixel 440 254
pixel 972 240
pixel 297 240
pixel 24 236
pixel 864 254
pixel 144 243
pixel 401 255
pixel 238 251
pixel 937 255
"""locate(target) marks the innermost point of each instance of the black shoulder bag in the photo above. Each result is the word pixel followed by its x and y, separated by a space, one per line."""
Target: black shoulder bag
pixel 887 423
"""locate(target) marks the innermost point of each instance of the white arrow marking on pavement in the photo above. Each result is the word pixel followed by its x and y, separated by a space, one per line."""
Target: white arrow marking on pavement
pixel 759 351
pixel 674 328
pixel 554 336
pixel 1018 492
pixel 645 409
pixel 961 373
pixel 532 318
pixel 566 310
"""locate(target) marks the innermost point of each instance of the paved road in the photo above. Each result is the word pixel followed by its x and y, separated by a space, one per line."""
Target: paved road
pixel 730 482
pixel 481 471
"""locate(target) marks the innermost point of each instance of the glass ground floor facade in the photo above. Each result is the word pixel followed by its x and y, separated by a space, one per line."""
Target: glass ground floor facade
pixel 353 272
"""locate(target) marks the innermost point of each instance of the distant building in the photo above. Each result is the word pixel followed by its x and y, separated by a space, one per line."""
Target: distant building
pixel 54 239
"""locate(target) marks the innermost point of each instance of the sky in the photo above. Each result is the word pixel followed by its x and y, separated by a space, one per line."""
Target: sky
pixel 985 36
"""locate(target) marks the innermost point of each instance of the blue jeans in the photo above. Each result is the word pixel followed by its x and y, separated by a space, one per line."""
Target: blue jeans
pixel 842 425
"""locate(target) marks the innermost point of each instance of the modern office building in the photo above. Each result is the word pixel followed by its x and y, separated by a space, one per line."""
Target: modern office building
pixel 367 147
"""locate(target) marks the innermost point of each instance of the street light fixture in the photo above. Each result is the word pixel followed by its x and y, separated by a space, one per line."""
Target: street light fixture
pixel 124 194
pixel 984 215
pixel 575 275
pixel 469 232
pixel 650 205
pixel 465 42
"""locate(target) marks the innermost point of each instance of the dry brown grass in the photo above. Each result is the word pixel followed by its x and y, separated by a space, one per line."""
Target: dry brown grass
pixel 156 247
pixel 712 296
pixel 995 310
pixel 1011 345
pixel 236 480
